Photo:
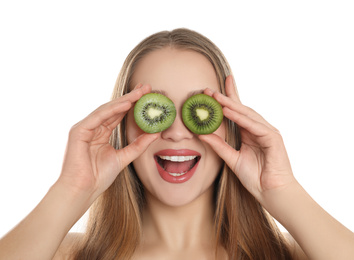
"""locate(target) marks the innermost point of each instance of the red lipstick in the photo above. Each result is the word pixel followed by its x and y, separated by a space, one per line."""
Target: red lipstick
pixel 176 166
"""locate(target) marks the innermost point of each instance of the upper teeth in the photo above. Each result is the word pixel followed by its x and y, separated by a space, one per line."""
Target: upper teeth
pixel 177 158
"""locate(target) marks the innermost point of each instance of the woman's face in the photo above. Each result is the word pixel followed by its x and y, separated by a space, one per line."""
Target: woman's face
pixel 178 74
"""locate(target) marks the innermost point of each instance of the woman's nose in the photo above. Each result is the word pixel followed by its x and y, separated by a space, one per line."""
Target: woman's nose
pixel 177 131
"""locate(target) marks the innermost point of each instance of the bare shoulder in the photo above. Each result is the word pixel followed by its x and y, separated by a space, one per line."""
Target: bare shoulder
pixel 68 246
pixel 296 250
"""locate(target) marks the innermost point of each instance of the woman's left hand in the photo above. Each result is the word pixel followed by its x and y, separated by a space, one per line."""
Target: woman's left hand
pixel 262 163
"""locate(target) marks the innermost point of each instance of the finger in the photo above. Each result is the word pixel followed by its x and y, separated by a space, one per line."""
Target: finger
pixel 235 106
pixel 208 92
pixel 253 126
pixel 132 96
pixel 223 149
pixel 139 85
pixel 230 89
pixel 232 101
pixel 136 148
pixel 103 115
pixel 114 121
pixel 229 101
pixel 242 109
pixel 118 107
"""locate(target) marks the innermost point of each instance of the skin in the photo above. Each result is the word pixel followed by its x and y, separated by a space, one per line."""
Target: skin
pixel 176 223
pixel 166 71
pixel 177 216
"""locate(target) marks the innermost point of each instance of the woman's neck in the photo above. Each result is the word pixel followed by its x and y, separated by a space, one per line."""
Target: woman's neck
pixel 182 227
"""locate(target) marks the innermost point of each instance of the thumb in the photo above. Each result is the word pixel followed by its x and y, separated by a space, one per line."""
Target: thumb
pixel 223 149
pixel 135 149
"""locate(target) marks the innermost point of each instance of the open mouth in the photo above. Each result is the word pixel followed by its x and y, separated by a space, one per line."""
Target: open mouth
pixel 176 168
pixel 177 165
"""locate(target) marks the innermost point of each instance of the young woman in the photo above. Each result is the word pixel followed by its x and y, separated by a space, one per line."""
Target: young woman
pixel 217 208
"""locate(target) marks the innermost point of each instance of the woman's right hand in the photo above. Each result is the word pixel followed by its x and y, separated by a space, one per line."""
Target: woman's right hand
pixel 91 164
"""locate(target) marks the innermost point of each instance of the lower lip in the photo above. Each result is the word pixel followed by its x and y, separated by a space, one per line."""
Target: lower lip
pixel 176 179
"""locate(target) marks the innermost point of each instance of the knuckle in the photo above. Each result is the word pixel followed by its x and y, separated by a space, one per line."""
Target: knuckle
pixel 76 131
pixel 250 110
pixel 277 136
pixel 276 130
pixel 74 128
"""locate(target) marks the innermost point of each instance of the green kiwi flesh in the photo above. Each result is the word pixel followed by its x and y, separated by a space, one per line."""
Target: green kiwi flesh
pixel 202 114
pixel 154 113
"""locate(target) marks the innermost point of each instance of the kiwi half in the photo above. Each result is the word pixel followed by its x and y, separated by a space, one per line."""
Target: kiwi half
pixel 154 113
pixel 202 114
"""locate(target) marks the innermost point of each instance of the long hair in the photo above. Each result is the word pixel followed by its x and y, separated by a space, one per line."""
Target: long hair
pixel 242 226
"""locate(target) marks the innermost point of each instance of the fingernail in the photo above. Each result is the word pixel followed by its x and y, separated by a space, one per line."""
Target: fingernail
pixel 209 92
pixel 156 136
pixel 138 86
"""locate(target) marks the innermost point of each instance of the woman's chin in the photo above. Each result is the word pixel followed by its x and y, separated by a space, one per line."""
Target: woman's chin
pixel 177 196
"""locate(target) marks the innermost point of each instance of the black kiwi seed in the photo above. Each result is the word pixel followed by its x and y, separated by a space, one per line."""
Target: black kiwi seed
pixel 202 114
pixel 154 113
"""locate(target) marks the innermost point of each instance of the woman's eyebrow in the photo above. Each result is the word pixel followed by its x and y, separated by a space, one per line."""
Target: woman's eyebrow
pixel 192 93
pixel 159 92
pixel 195 92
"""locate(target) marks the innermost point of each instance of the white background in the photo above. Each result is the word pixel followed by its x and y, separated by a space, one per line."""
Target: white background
pixel 293 62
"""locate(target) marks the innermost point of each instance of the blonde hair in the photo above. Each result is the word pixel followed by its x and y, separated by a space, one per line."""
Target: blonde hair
pixel 242 226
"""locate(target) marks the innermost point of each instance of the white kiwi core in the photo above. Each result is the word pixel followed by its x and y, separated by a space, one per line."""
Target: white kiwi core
pixel 153 112
pixel 202 114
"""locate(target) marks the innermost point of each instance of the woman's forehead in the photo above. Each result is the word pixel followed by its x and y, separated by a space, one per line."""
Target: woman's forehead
pixel 169 68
